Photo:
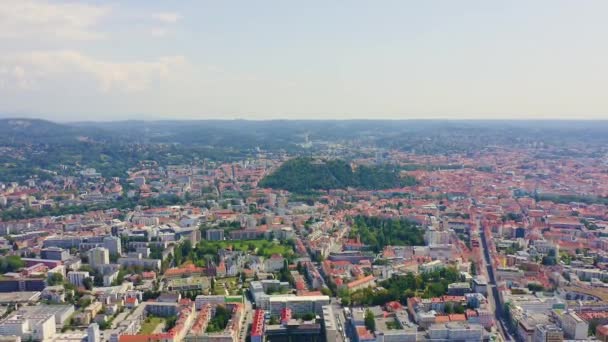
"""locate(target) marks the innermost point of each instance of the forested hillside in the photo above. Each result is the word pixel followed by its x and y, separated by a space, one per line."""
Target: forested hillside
pixel 307 174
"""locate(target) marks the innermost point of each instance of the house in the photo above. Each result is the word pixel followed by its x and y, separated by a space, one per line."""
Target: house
pixel 131 302
pixel 274 264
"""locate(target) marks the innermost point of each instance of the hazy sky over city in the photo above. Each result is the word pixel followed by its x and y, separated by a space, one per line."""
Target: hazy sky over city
pixel 106 60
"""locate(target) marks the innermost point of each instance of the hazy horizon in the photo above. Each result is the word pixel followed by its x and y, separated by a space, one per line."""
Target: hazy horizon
pixel 254 120
pixel 74 61
pixel 146 118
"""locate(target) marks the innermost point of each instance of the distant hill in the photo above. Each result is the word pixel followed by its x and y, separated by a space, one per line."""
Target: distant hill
pixel 31 147
pixel 35 131
pixel 18 131
pixel 302 175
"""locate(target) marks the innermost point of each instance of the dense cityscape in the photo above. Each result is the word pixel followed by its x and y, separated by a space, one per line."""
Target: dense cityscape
pixel 319 231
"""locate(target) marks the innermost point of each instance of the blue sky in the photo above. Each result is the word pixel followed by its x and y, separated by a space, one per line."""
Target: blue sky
pixel 104 60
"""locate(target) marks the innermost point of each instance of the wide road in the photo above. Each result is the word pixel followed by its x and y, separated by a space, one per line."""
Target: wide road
pixel 493 297
pixel 340 320
pixel 247 320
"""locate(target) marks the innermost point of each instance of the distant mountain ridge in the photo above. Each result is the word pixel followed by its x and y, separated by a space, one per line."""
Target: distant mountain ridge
pixel 422 136
pixel 37 131
pixel 113 147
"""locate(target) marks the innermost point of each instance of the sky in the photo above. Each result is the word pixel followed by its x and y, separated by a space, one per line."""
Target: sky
pixel 343 59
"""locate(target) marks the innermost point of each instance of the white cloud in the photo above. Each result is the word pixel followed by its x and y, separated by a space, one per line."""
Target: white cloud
pixel 30 70
pixel 167 17
pixel 44 19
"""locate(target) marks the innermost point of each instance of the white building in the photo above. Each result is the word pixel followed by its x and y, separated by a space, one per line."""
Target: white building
pixel 298 304
pixel 61 313
pixel 436 237
pixel 77 278
pixel 573 325
pixel 455 331
pixel 109 278
pixel 548 332
pixel 99 256
pixel 274 264
pixel 329 323
pixel 14 326
pixel 153 264
pixel 35 327
pixel 112 243
pixel 202 300
pixel 93 334
pixel 441 252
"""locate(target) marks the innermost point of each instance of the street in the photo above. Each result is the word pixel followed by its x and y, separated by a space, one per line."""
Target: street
pixel 340 320
pixel 247 319
pixel 493 297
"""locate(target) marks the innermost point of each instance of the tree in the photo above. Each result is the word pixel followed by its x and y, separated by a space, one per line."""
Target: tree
pixel 593 327
pixel 534 287
pixel 170 322
pixel 473 268
pixel 379 232
pixel 549 260
pixel 285 274
pixel 88 283
pixel 219 320
pixel 150 295
pixel 98 280
pixel 186 248
pixel 370 321
pixel 114 257
pixel 344 297
pixel 54 279
pixel 105 325
pixel 120 278
pixel 11 263
pixel 409 293
pixel 83 303
pixel 308 316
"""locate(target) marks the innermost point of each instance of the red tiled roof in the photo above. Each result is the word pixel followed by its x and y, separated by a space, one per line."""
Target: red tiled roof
pixel 364 334
pixel 442 319
pixel 257 323
pixel 457 318
pixel 360 281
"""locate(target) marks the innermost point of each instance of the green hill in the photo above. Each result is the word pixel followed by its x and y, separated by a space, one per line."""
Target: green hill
pixel 19 131
pixel 302 175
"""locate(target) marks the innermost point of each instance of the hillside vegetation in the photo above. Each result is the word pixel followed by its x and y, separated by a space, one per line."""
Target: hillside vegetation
pixel 307 174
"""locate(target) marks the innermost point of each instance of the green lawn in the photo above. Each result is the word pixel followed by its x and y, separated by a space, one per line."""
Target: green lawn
pixel 218 291
pixel 263 247
pixel 150 324
pixel 229 284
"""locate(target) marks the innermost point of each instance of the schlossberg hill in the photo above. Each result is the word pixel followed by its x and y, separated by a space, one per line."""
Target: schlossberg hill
pixel 302 175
